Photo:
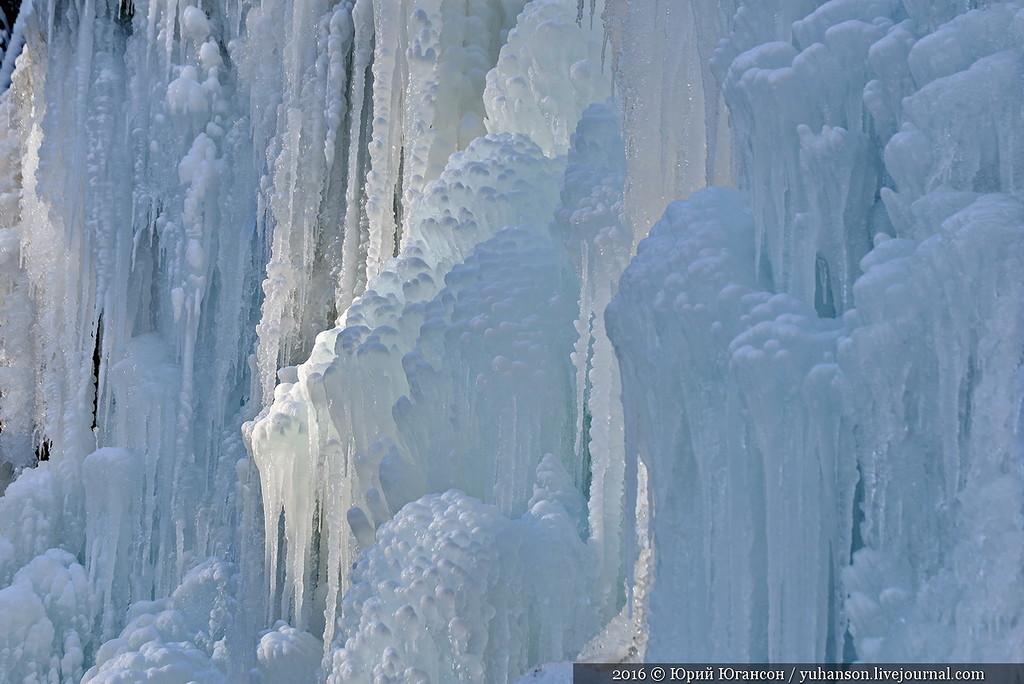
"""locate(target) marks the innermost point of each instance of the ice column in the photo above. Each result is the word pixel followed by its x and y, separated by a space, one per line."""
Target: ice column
pixel 674 126
pixel 591 223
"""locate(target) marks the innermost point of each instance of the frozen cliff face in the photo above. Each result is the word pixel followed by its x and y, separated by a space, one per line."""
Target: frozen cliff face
pixel 325 355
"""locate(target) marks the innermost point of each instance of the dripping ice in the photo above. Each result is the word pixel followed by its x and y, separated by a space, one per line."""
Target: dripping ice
pixel 430 341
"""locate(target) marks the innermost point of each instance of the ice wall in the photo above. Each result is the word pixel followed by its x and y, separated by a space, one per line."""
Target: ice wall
pixel 303 328
pixel 128 308
pixel 822 373
pixel 158 157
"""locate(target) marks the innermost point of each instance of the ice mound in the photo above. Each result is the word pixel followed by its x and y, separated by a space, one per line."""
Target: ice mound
pixel 478 597
pixel 47 628
pixel 177 639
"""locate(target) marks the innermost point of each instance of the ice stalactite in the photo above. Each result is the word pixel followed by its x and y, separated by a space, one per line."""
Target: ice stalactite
pixel 590 221
pixel 429 63
pixel 818 128
pixel 6 24
pixel 355 124
pixel 17 384
pixel 936 558
pixel 299 91
pixel 12 37
pixel 729 421
pixel 957 167
pixel 113 479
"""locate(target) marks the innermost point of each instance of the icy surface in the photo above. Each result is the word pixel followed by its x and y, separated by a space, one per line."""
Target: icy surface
pixel 332 348
pixel 674 121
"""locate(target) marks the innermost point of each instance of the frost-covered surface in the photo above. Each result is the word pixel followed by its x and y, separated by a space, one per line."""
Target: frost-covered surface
pixel 306 372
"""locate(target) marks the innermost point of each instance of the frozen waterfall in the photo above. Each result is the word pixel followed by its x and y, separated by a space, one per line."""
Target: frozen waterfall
pixel 434 340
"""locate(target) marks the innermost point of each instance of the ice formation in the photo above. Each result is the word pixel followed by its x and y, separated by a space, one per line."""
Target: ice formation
pixel 334 347
pixel 846 376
